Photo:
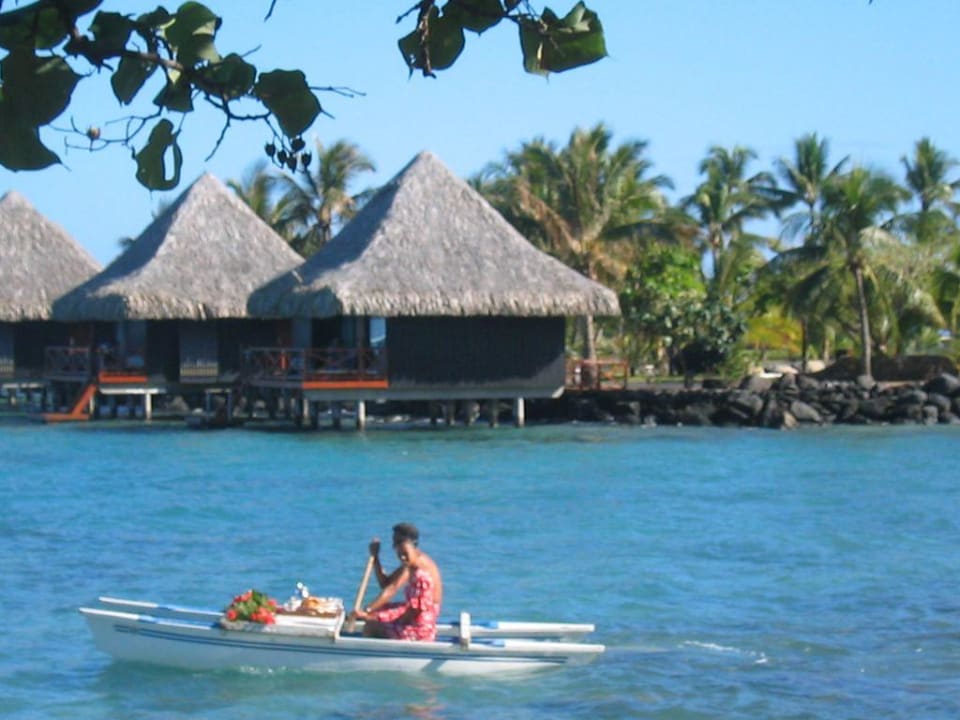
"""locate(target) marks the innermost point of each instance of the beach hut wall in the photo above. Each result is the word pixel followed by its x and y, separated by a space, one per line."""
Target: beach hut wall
pixel 39 261
pixel 198 260
pixel 428 244
pixel 513 354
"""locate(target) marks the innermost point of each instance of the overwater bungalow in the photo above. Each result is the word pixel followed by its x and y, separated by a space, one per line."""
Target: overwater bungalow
pixel 169 315
pixel 427 294
pixel 39 262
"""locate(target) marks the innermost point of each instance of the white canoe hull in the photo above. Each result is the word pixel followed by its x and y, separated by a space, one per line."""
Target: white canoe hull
pixel 204 645
pixel 446 629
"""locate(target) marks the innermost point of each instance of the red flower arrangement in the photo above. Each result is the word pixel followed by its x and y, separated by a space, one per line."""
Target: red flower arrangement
pixel 252 606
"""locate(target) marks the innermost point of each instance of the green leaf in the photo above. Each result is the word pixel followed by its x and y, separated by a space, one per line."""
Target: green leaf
pixel 192 33
pixel 475 15
pixel 37 26
pixel 557 44
pixel 234 76
pixel 287 95
pixel 152 170
pixel 129 77
pixel 21 148
pixel 37 89
pixel 445 42
pixel 531 45
pixel 410 49
pixel 110 32
pixel 155 19
pixel 41 25
pixel 176 95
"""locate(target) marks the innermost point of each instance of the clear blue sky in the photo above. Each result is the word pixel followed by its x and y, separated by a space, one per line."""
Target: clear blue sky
pixel 683 75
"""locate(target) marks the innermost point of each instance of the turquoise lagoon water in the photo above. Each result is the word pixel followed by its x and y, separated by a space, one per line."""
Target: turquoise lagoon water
pixel 732 574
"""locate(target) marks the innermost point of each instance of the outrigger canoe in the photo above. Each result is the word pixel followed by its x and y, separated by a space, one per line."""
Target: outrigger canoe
pixel 197 638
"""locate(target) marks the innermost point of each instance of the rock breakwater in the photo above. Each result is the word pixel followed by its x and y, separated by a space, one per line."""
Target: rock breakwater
pixel 786 402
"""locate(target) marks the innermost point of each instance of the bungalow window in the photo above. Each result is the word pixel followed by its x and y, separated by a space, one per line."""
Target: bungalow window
pixel 377 330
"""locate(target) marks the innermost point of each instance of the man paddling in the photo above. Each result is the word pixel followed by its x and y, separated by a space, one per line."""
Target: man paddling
pixel 419 577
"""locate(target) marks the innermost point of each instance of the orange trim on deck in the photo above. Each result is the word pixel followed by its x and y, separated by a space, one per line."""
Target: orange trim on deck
pixel 113 378
pixel 344 384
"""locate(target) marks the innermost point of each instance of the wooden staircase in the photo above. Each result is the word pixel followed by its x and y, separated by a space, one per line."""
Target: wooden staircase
pixel 80 410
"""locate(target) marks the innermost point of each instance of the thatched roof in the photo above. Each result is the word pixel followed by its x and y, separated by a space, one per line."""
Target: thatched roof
pixel 39 261
pixel 429 244
pixel 200 259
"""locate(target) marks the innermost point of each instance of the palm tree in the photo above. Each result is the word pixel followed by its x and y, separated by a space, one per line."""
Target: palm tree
pixel 946 289
pixel 926 175
pixel 319 202
pixel 722 204
pixel 577 201
pixel 858 210
pixel 805 178
pixel 258 189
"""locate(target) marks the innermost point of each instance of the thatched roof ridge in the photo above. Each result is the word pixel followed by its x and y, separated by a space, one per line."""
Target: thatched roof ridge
pixel 429 244
pixel 39 261
pixel 200 259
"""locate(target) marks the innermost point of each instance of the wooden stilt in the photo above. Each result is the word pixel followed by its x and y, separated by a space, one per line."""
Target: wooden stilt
pixel 147 406
pixel 519 412
pixel 361 414
pixel 448 412
pixel 493 412
pixel 337 409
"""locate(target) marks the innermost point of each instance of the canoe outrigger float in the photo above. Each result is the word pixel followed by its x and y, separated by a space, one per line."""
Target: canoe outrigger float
pixel 197 638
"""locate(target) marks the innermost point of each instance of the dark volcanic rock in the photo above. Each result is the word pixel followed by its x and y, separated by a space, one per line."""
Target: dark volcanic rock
pixel 805 413
pixel 849 410
pixel 785 381
pixel 944 384
pixel 808 384
pixel 911 396
pixel 698 415
pixel 940 402
pixel 875 408
pixel 748 403
pixel 771 416
pixel 912 368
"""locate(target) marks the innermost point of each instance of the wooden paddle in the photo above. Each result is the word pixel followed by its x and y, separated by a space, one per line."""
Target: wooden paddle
pixel 361 592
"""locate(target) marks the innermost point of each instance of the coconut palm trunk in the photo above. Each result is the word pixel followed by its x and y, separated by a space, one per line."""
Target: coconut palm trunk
pixel 865 344
pixel 804 345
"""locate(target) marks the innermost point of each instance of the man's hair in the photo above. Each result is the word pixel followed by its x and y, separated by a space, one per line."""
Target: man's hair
pixel 405 532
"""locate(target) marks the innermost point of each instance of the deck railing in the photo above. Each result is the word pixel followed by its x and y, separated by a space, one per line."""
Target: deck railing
pixel 597 374
pixel 296 365
pixel 80 363
pixel 67 361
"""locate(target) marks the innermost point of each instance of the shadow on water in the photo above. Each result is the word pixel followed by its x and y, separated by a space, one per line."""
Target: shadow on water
pixel 145 691
pixel 141 690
